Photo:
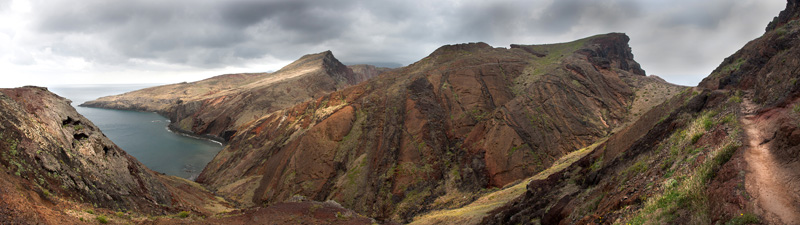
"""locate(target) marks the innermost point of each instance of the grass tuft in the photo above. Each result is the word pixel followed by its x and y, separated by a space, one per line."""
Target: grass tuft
pixel 102 219
pixel 744 218
pixel 183 214
pixel 696 137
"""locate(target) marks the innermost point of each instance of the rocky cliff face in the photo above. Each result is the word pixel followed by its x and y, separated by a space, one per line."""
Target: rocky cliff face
pixel 215 107
pixel 724 152
pixel 45 140
pixel 465 118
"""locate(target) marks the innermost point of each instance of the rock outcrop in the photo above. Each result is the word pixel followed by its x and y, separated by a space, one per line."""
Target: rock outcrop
pixel 465 118
pixel 217 106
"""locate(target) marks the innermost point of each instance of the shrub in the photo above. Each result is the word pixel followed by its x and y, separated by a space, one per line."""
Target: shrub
pixel 708 123
pixel 597 164
pixel 183 214
pixel 102 219
pixel 744 218
pixel 736 99
pixel 696 137
pixel 90 211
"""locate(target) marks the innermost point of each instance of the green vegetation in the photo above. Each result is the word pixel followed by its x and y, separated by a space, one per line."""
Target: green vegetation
pixel 744 218
pixel 686 174
pixel 796 108
pixel 735 65
pixel 638 167
pixel 696 137
pixel 102 219
pixel 780 31
pixel 515 148
pixel 183 214
pixel 598 163
pixel 90 211
pixel 549 63
pixel 736 99
pixel 686 193
pixel 12 146
pixel 340 215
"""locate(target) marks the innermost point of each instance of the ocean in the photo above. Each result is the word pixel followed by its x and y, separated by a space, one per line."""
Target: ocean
pixel 143 135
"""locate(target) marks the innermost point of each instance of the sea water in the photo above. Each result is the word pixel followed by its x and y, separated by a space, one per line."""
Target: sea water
pixel 144 135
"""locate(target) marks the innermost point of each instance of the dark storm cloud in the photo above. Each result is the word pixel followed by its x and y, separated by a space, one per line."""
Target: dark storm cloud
pixel 205 34
pixel 213 34
pixel 210 34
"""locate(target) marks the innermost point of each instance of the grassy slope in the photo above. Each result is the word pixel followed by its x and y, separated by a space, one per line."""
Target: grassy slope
pixel 475 211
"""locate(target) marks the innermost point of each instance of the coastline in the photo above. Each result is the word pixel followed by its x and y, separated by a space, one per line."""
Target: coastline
pixel 212 138
pixel 170 126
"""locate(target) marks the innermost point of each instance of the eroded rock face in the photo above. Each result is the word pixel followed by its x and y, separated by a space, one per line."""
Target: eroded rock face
pixel 766 65
pixel 215 107
pixel 466 117
pixel 45 141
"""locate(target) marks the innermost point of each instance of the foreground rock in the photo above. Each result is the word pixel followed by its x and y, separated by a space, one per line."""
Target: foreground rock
pixel 215 107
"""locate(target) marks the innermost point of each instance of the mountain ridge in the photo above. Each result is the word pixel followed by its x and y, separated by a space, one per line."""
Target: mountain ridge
pixel 456 111
pixel 216 106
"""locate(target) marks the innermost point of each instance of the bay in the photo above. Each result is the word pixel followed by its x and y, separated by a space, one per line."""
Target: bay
pixel 144 135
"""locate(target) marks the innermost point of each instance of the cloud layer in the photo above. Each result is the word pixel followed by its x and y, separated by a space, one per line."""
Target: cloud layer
pixel 161 41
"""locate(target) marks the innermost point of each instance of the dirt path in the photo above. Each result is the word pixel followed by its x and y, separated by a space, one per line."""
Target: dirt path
pixel 765 180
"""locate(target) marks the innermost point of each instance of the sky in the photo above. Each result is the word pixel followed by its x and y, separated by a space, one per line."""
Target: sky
pixel 58 42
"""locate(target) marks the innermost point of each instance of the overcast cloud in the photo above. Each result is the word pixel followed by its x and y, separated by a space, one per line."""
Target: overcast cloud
pixel 48 42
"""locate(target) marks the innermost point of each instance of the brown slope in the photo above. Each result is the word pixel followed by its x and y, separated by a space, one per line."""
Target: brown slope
pixel 215 107
pixel 726 154
pixel 466 117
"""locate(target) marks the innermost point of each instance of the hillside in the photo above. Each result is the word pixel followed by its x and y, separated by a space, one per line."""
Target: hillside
pixel 52 157
pixel 56 167
pixel 216 106
pixel 439 132
pixel 722 153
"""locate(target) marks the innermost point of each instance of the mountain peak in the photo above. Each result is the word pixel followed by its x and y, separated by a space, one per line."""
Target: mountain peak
pixel 324 59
